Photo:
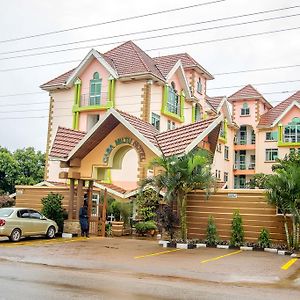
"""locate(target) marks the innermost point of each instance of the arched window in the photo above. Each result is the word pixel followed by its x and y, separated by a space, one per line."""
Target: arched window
pixel 173 100
pixel 245 110
pixel 95 89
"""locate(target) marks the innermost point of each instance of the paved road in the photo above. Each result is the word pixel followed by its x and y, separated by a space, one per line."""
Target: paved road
pixel 122 269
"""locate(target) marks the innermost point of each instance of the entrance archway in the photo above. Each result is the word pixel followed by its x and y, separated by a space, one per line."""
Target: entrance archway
pixel 124 164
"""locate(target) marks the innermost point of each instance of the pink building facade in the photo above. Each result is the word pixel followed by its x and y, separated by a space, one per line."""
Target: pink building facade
pixel 168 94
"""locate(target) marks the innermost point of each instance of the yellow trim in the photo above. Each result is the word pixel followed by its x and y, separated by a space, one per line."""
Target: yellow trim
pixel 289 264
pixel 219 257
pixel 157 253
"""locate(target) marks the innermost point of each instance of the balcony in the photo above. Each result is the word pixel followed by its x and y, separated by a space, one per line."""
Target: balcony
pixel 244 168
pixel 289 135
pixel 89 102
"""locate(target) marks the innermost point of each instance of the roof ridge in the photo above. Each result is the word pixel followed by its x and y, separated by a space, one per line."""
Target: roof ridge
pixel 136 49
pixel 186 126
pixel 63 127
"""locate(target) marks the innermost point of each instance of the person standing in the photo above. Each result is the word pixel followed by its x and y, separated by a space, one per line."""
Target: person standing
pixel 84 219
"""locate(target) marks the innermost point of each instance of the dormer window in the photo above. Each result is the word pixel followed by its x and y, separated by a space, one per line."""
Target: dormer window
pixel 95 89
pixel 173 100
pixel 245 110
pixel 199 86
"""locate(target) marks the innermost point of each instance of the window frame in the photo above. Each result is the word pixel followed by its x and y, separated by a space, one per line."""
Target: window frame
pixel 273 136
pixel 269 154
pixel 173 100
pixel 155 120
pixel 245 109
pixel 226 152
pixel 95 90
pixel 199 86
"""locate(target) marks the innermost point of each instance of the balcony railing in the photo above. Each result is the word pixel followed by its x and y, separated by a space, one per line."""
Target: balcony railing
pixel 244 166
pixel 291 138
pixel 245 141
pixel 91 100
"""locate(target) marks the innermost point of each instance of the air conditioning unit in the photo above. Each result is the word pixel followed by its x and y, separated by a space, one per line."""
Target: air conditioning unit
pixel 235 167
pixel 235 140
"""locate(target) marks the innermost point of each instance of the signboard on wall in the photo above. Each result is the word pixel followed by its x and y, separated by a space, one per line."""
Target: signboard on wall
pixel 124 141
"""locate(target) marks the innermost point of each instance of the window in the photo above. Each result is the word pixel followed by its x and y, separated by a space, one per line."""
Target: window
pixel 95 89
pixel 295 150
pixel 222 131
pixel 226 152
pixel 271 136
pixel 219 147
pixel 242 160
pixel 271 154
pixel 199 86
pixel 155 121
pixel 91 121
pixel 292 131
pixel 171 125
pixel 35 215
pixel 197 112
pixel 216 173
pixel 243 135
pixel 245 110
pixel 23 213
pixel 173 100
pixel 225 176
pixel 219 174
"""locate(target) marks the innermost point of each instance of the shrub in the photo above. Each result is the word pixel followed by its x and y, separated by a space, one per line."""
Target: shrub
pixel 211 232
pixel 144 227
pixel 237 231
pixel 168 220
pixel 147 202
pixel 264 239
pixel 52 209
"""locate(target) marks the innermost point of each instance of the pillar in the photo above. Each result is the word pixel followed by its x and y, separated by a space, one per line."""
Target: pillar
pixel 71 200
pixel 79 197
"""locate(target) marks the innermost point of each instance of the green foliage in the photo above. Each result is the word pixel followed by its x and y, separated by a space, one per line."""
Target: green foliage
pixel 259 180
pixel 24 166
pixel 291 159
pixel 52 209
pixel 144 227
pixel 180 176
pixel 264 239
pixel 147 202
pixel 167 220
pixel 121 211
pixel 237 231
pixel 284 192
pixel 211 232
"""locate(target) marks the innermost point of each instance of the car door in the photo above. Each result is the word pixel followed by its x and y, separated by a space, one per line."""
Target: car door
pixel 23 221
pixel 38 223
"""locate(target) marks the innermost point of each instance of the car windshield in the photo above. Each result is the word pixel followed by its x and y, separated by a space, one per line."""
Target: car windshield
pixel 5 212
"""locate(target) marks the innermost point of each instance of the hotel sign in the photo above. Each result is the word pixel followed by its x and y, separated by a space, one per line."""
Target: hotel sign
pixel 124 141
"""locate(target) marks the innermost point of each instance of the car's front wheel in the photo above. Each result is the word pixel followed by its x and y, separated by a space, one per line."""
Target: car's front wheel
pixel 15 235
pixel 50 232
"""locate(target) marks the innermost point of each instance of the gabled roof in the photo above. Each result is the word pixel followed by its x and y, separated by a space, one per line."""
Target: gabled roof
pixel 277 112
pixel 65 140
pixel 166 63
pixel 214 102
pixel 69 144
pixel 60 80
pixel 128 60
pixel 142 130
pixel 248 92
pixel 183 139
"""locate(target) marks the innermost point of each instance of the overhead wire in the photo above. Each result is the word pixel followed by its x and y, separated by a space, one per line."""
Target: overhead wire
pixel 158 29
pixel 110 21
pixel 165 35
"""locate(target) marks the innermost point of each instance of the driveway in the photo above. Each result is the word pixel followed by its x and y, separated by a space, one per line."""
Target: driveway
pixel 143 269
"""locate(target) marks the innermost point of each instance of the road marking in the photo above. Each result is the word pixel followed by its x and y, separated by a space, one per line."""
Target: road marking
pixel 289 263
pixel 44 242
pixel 157 253
pixel 219 257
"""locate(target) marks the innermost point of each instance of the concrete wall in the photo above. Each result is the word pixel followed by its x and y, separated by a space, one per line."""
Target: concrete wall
pixel 253 207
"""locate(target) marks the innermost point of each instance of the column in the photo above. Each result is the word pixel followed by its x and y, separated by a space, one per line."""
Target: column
pixel 71 200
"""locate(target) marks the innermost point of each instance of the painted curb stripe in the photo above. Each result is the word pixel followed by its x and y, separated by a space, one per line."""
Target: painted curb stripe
pixel 289 263
pixel 157 253
pixel 219 257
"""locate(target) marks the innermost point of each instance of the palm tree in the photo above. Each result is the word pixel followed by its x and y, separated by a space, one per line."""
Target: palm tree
pixel 180 175
pixel 283 191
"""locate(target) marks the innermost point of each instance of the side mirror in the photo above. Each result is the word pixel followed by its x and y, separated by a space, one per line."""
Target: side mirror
pixel 43 218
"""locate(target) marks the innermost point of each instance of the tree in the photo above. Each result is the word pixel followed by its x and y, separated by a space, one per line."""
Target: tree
pixel 24 166
pixel 52 209
pixel 179 176
pixel 147 202
pixel 259 180
pixel 284 192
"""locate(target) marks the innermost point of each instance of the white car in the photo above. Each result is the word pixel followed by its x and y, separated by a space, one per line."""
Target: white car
pixel 18 222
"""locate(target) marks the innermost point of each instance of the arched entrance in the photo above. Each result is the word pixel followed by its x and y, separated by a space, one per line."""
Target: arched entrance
pixel 124 162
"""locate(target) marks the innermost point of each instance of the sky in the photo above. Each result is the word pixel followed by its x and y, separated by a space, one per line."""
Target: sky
pixel 24 106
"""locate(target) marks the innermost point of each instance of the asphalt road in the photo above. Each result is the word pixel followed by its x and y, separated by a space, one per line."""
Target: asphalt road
pixel 107 269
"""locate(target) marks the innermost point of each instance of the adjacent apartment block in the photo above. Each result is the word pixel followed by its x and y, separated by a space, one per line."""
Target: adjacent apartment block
pixel 116 111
